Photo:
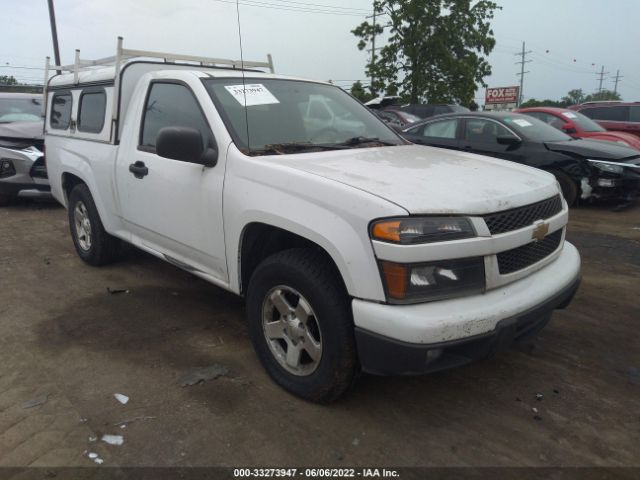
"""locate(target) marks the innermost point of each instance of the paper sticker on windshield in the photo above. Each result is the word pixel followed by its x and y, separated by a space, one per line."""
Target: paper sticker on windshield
pixel 522 122
pixel 255 93
pixel 569 115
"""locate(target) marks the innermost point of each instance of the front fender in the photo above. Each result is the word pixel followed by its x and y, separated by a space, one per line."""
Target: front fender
pixel 330 214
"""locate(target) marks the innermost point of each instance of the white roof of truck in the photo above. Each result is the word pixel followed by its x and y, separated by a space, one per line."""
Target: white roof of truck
pixel 106 74
pixel 108 68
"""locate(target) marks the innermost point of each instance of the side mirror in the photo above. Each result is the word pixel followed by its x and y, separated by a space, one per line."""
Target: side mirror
pixel 185 144
pixel 508 140
pixel 568 129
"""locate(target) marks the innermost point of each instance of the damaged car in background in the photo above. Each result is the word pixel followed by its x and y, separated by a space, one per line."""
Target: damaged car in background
pixel 585 169
pixel 22 169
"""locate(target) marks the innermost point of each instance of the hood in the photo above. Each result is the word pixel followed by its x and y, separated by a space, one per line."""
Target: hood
pixel 430 180
pixel 599 150
pixel 30 130
pixel 19 135
pixel 631 140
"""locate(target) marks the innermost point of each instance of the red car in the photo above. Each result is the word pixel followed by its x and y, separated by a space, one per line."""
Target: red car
pixel 577 125
pixel 613 115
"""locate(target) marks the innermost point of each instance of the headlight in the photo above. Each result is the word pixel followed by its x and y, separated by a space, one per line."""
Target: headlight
pixel 609 167
pixel 422 282
pixel 412 230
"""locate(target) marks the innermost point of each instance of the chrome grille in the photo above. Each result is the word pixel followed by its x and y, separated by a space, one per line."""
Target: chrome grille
pixel 518 258
pixel 521 217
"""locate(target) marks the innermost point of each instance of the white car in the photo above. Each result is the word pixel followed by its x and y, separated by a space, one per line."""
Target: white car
pixel 357 253
pixel 23 172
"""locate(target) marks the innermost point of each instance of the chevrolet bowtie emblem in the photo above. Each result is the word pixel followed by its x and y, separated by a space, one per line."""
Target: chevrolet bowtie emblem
pixel 540 231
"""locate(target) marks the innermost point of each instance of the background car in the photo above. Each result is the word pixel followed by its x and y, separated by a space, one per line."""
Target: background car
pixel 427 110
pixel 584 168
pixel 577 125
pixel 22 168
pixel 397 119
pixel 383 102
pixel 618 116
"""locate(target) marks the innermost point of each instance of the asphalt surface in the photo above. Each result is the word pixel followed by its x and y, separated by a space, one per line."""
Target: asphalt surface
pixel 67 346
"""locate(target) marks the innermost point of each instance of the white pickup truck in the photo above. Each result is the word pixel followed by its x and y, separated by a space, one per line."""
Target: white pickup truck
pixel 355 251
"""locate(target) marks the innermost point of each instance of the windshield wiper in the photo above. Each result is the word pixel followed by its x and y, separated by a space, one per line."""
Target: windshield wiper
pixel 354 141
pixel 285 148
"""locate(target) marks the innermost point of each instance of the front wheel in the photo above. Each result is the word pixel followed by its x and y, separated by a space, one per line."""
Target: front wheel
pixel 568 185
pixel 301 326
pixel 5 200
pixel 93 244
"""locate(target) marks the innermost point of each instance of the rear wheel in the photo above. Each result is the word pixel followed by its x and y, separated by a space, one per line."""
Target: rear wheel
pixel 301 326
pixel 93 244
pixel 568 185
pixel 5 200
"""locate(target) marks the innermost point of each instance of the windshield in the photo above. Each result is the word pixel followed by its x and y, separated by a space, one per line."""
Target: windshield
pixel 20 110
pixel 533 129
pixel 583 122
pixel 288 115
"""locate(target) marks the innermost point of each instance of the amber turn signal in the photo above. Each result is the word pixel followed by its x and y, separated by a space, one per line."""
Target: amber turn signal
pixel 389 231
pixel 395 276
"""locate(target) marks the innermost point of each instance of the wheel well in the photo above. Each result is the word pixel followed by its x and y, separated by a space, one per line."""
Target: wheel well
pixel 69 181
pixel 260 241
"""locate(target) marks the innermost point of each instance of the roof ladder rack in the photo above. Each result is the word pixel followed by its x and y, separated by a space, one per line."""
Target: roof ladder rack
pixel 124 55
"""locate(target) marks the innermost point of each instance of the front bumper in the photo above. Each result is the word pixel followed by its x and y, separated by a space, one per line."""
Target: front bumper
pixel 614 187
pixel 414 339
pixel 18 189
pixel 28 178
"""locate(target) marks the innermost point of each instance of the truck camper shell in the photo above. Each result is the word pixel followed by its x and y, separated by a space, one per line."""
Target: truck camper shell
pixel 116 76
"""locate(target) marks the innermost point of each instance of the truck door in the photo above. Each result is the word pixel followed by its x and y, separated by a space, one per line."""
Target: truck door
pixel 173 207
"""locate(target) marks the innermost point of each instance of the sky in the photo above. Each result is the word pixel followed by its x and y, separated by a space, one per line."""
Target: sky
pixel 570 40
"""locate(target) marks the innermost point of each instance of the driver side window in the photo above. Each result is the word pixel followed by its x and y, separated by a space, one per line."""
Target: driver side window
pixel 171 105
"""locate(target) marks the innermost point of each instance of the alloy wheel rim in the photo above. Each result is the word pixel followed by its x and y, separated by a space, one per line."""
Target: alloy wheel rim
pixel 291 330
pixel 83 226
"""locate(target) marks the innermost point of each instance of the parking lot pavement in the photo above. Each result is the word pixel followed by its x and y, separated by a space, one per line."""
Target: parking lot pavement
pixel 68 344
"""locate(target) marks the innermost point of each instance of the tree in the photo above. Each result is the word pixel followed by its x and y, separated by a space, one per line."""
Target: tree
pixel 436 50
pixel 602 96
pixel 532 102
pixel 8 80
pixel 358 91
pixel 574 97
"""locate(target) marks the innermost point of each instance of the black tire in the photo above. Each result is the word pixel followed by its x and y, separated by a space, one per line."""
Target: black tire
pixel 102 248
pixel 568 185
pixel 5 200
pixel 312 274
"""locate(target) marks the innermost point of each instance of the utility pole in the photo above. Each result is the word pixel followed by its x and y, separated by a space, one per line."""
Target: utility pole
pixel 601 75
pixel 617 79
pixel 522 62
pixel 54 34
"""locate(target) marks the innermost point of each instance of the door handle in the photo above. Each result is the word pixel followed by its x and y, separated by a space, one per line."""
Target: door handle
pixel 139 169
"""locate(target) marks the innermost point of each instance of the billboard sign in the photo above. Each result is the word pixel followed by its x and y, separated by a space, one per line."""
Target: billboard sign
pixel 501 98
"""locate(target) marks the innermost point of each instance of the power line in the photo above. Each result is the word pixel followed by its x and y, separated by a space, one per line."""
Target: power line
pixel 556 63
pixel 321 5
pixel 522 62
pixel 254 3
pixel 22 67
